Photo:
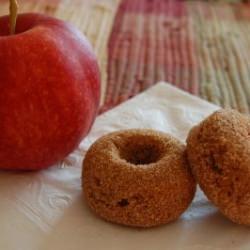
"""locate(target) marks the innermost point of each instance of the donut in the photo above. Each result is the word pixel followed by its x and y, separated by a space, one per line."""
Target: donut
pixel 137 177
pixel 218 151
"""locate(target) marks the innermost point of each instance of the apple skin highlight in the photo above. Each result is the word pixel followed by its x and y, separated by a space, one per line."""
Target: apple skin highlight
pixel 49 91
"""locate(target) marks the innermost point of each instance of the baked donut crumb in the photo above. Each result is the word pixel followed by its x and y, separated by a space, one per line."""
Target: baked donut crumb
pixel 137 177
pixel 218 151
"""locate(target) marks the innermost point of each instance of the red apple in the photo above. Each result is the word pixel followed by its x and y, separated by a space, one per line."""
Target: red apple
pixel 49 91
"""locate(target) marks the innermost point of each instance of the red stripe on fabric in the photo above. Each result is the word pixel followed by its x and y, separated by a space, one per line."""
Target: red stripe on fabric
pixel 150 41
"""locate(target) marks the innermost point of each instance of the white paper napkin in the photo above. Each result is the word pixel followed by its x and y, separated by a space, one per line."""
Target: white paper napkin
pixel 45 210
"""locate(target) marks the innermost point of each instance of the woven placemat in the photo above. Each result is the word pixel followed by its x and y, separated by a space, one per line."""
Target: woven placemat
pixel 94 18
pixel 201 47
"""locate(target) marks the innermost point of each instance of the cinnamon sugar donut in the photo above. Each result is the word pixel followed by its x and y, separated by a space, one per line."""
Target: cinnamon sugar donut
pixel 137 177
pixel 219 154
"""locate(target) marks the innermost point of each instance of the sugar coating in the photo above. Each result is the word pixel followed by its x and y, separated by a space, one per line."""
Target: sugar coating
pixel 138 177
pixel 219 154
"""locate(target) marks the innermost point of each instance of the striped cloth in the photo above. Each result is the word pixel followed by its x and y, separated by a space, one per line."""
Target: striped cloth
pixel 201 47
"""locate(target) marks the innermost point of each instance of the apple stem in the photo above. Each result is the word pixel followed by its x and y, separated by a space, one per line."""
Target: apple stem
pixel 13 15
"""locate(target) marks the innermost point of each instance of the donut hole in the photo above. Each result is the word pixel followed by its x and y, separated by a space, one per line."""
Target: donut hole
pixel 139 154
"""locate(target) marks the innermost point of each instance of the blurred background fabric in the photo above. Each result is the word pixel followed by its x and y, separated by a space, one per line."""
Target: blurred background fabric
pixel 202 47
